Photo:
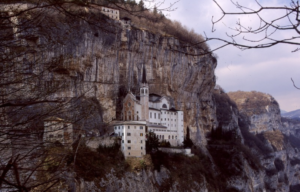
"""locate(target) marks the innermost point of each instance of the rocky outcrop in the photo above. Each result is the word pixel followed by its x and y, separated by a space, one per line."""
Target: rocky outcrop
pixel 261 109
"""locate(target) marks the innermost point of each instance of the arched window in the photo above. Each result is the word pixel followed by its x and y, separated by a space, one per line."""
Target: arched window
pixel 165 106
pixel 129 116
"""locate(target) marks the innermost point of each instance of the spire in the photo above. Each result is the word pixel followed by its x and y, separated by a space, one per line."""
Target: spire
pixel 144 80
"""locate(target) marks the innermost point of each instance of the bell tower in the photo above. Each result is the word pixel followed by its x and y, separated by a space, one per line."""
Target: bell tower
pixel 144 93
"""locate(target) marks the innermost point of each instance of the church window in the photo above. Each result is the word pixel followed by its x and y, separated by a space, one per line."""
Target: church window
pixel 164 106
pixel 129 141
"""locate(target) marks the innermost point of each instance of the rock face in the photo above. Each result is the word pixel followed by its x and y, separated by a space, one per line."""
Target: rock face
pixel 98 64
pixel 280 165
pixel 262 110
pixel 142 181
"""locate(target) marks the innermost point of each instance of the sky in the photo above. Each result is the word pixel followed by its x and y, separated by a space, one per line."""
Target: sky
pixel 266 70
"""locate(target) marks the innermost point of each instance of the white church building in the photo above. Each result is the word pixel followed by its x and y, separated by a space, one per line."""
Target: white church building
pixel 152 112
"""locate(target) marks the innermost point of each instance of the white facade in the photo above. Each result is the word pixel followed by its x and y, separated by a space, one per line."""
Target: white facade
pixel 111 12
pixel 133 134
pixel 164 121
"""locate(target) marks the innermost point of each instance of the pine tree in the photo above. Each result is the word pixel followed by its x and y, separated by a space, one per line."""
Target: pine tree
pixel 142 5
pixel 155 10
pixel 187 143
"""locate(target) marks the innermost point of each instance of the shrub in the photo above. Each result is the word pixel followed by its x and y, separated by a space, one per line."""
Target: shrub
pixel 295 162
pixel 295 188
pixel 279 164
pixel 271 172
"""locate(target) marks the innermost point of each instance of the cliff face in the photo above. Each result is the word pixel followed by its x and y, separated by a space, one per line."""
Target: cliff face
pixel 279 163
pixel 262 110
pixel 98 64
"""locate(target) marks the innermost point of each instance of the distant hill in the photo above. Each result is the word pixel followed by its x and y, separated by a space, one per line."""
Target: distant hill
pixel 282 111
pixel 292 114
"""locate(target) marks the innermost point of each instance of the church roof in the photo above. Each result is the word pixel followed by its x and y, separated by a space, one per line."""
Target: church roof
pixel 154 97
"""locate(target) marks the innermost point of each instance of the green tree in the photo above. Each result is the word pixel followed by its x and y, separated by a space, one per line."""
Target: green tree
pixel 187 143
pixel 155 10
pixel 152 142
pixel 142 5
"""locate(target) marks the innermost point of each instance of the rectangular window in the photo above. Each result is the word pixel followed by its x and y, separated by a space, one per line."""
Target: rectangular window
pixel 158 116
pixel 122 141
pixel 141 141
pixel 154 115
pixel 141 127
pixel 128 134
pixel 141 134
pixel 115 128
pixel 122 134
pixel 128 127
pixel 141 147
pixel 129 148
pixel 129 141
pixel 150 115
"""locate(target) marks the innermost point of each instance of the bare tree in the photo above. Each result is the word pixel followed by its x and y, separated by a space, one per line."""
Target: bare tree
pixel 263 35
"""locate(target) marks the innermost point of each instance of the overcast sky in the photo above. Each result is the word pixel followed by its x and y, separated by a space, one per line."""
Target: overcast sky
pixel 265 70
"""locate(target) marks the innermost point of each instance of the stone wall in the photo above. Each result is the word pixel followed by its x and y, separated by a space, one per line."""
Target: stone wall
pixel 176 150
pixel 94 142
